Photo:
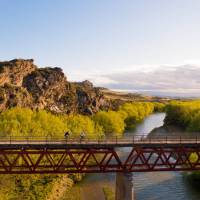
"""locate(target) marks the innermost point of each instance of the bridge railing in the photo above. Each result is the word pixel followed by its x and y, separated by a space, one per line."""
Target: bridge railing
pixel 135 139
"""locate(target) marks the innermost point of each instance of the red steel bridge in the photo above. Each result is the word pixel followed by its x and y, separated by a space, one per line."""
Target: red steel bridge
pixel 37 155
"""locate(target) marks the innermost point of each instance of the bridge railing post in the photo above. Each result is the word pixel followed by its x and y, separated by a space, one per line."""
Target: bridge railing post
pixel 10 139
pixel 196 139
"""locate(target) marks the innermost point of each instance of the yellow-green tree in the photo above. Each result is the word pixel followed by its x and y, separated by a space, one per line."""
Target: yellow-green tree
pixel 135 112
pixel 25 122
pixel 79 123
pixel 112 122
pixel 185 114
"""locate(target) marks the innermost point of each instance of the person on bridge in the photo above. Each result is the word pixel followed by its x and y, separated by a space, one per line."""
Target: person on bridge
pixel 67 134
pixel 82 136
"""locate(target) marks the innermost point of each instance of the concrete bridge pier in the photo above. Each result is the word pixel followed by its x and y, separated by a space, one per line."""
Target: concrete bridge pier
pixel 124 189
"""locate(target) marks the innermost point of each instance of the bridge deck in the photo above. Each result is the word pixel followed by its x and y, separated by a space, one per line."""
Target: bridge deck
pixel 61 143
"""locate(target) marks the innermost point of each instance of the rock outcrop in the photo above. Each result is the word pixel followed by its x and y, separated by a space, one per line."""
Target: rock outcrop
pixel 14 71
pixel 24 84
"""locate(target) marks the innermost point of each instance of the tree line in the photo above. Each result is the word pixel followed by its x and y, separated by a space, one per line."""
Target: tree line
pixel 185 114
pixel 26 122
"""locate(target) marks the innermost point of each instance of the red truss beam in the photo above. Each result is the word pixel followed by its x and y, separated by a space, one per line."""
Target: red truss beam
pixel 139 159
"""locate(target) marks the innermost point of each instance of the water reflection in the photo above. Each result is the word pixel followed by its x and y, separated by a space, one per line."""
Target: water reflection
pixel 151 122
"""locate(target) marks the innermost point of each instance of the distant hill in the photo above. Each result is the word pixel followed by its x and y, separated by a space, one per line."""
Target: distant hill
pixel 127 96
pixel 24 84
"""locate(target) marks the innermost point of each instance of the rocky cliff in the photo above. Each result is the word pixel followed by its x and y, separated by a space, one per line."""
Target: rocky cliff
pixel 23 84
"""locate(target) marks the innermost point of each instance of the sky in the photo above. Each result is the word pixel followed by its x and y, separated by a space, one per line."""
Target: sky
pixel 147 46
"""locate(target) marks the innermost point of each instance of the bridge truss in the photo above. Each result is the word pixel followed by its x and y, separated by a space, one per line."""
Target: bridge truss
pixel 95 159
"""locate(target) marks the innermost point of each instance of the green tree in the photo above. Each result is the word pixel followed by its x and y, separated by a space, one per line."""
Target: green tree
pixel 112 122
pixel 25 122
pixel 79 123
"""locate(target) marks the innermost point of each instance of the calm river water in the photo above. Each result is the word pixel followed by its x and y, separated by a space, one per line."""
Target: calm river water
pixel 149 185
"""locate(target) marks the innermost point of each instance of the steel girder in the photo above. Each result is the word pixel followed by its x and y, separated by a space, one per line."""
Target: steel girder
pixel 139 159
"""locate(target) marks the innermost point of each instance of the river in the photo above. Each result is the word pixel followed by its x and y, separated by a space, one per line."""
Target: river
pixel 148 185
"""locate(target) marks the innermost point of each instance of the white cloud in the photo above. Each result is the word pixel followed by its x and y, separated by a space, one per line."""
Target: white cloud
pixel 182 80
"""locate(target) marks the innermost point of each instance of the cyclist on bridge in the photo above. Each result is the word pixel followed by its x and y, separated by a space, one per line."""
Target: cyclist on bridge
pixel 82 136
pixel 67 134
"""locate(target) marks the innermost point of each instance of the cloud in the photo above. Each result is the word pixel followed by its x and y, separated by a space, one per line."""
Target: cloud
pixel 182 80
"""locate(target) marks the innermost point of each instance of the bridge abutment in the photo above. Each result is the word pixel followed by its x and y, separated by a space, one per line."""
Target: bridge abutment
pixel 124 189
